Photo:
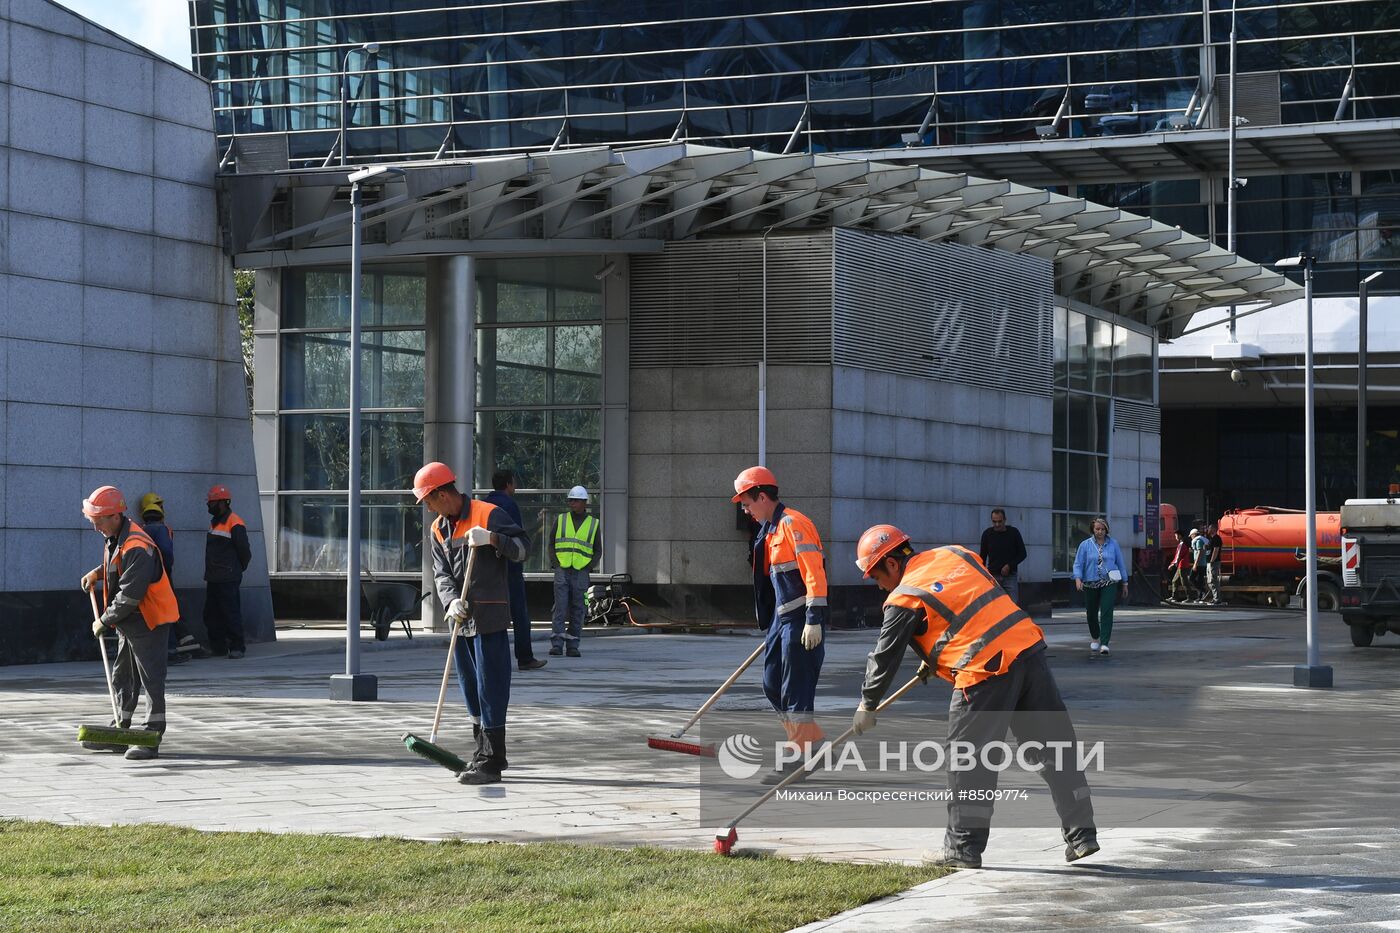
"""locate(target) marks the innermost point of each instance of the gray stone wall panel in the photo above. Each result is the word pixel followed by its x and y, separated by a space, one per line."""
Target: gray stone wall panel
pixel 49 373
pixel 46 61
pixel 118 139
pixel 46 123
pixel 117 318
pixel 39 308
pixel 50 187
pixel 44 248
pixel 117 259
pixel 124 200
pixel 118 79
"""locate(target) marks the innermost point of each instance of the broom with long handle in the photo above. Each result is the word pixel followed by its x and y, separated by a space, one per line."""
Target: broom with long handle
pixel 729 835
pixel 428 747
pixel 675 743
pixel 113 734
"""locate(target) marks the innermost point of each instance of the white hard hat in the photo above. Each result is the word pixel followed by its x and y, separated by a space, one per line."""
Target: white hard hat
pixel 578 492
pixel 1194 532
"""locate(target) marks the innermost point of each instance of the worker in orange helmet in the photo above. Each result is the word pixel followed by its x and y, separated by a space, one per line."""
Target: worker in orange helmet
pixel 137 599
pixel 226 555
pixel 479 606
pixel 789 579
pixel 968 631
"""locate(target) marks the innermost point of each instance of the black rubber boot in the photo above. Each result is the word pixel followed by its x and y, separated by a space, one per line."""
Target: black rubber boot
pixel 488 771
pixel 479 755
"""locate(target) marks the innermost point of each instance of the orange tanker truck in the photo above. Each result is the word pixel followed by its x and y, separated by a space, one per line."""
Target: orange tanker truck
pixel 1263 556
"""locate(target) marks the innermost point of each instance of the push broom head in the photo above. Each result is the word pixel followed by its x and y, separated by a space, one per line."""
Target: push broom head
pixel 725 839
pixel 112 735
pixel 434 753
pixel 673 743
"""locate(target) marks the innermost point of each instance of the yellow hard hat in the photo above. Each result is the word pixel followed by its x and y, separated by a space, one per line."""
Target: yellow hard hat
pixel 151 502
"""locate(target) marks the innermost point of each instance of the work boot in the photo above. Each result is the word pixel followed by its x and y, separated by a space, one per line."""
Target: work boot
pixel 573 652
pixel 488 771
pixel 479 755
pixel 235 654
pixel 188 645
pixel 557 651
pixel 1081 848
pixel 533 664
pixel 142 753
pixel 951 858
pixel 109 746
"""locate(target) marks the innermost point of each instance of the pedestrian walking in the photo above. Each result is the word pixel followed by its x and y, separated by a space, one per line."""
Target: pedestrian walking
pixel 226 555
pixel 1002 552
pixel 1199 547
pixel 479 606
pixel 137 599
pixel 503 494
pixel 789 580
pixel 1180 569
pixel 1100 574
pixel 575 553
pixel 967 630
pixel 1214 545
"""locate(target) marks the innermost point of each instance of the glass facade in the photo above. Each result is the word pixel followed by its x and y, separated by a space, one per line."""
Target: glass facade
pixel 485 77
pixel 1096 361
pixel 539 385
pixel 314 426
pixel 539 403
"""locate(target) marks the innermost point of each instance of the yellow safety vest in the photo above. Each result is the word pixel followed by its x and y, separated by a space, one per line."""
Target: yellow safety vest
pixel 574 546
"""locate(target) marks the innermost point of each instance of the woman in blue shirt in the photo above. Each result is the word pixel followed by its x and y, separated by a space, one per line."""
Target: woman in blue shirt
pixel 1099 573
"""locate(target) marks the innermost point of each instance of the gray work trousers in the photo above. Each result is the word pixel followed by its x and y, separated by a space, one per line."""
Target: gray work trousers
pixel 140 665
pixel 1026 700
pixel 569 587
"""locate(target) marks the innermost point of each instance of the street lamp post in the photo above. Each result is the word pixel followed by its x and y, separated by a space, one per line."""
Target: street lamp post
pixel 371 49
pixel 1361 386
pixel 354 685
pixel 1314 673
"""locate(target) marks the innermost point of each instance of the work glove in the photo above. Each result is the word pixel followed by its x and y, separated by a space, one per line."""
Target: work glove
pixel 478 537
pixel 924 672
pixel 457 610
pixel 88 580
pixel 811 636
pixel 98 628
pixel 864 720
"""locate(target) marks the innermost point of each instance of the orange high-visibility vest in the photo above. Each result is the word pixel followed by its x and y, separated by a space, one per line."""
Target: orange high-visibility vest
pixel 974 629
pixel 158 606
pixel 476 517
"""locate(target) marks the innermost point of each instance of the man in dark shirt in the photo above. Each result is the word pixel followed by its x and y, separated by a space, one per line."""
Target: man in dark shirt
pixel 503 484
pixel 1002 552
pixel 226 555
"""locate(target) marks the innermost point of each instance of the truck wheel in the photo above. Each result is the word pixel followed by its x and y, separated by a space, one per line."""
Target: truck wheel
pixel 1329 598
pixel 1361 635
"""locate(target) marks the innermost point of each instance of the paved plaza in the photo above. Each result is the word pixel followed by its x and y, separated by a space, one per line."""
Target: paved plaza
pixel 254 745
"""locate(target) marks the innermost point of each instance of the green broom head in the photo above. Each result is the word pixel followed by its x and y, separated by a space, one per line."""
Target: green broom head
pixel 434 753
pixel 112 735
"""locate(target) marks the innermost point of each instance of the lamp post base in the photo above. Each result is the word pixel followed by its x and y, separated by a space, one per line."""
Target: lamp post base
pixel 1308 675
pixel 361 687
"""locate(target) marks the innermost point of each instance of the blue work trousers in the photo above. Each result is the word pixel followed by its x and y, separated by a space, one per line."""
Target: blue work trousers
pixel 519 614
pixel 483 673
pixel 790 671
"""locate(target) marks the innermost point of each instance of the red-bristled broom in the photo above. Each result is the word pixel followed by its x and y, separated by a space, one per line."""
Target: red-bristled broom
pixel 675 741
pixel 726 838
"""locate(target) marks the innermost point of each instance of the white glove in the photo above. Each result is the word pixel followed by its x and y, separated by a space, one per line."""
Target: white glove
pixel 89 580
pixel 478 537
pixel 811 636
pixel 457 610
pixel 863 721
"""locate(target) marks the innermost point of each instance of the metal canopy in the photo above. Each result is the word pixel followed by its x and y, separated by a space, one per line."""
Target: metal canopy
pixel 626 200
pixel 1260 150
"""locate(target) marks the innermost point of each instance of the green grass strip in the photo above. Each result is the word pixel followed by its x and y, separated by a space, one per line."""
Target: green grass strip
pixel 73 878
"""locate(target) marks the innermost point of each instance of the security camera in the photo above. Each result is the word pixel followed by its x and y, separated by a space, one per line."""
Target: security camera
pixel 1238 377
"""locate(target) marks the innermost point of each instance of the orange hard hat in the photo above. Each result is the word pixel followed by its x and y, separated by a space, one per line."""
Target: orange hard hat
pixel 753 476
pixel 878 542
pixel 430 477
pixel 219 492
pixel 105 500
